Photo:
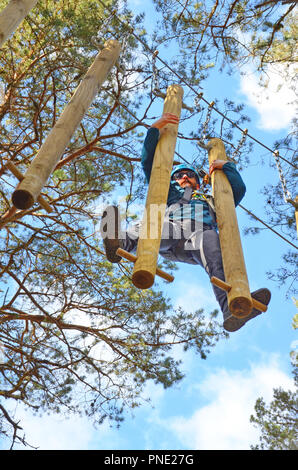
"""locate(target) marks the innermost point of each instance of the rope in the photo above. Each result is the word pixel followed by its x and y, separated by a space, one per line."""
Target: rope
pixel 206 123
pixel 256 217
pixel 268 226
pixel 155 80
pixel 240 144
pixel 198 95
pixel 286 193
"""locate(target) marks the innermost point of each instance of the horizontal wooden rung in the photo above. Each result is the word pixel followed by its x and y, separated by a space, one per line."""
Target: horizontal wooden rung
pixel 133 258
pixel 221 284
pixel 16 172
pixel 227 287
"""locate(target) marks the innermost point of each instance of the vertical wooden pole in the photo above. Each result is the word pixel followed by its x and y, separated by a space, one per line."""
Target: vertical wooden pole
pixel 151 230
pixel 12 15
pixel 54 145
pixel 239 298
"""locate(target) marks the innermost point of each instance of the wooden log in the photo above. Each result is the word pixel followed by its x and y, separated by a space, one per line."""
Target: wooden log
pixel 223 285
pixel 152 223
pixel 239 298
pixel 16 172
pixel 12 15
pixel 133 258
pixel 54 145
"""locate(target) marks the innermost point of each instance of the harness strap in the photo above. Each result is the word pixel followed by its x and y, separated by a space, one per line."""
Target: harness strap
pixel 185 199
pixel 186 196
pixel 210 202
pixel 202 254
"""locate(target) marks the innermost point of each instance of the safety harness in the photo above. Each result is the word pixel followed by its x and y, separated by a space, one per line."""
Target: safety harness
pixel 189 194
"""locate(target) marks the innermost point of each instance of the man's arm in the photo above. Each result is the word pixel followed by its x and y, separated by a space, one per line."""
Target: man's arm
pixel 151 141
pixel 148 151
pixel 234 177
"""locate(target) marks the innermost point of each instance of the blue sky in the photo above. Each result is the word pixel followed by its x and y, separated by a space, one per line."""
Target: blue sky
pixel 211 407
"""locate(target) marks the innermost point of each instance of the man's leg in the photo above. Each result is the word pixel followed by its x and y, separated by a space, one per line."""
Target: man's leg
pixel 110 230
pixel 113 237
pixel 209 256
pixel 172 244
pixel 175 247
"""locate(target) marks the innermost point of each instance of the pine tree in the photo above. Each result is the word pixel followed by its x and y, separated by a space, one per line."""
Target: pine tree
pixel 278 420
pixel 75 335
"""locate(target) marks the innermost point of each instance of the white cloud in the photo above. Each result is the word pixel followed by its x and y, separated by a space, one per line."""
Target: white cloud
pixel 57 432
pixel 223 423
pixel 187 292
pixel 274 102
pixel 54 432
pixel 225 400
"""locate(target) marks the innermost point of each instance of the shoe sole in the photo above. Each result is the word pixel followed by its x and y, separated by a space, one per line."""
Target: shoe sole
pixel 232 323
pixel 110 244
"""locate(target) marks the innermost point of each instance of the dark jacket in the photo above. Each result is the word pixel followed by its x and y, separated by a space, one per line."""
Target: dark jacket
pixel 176 192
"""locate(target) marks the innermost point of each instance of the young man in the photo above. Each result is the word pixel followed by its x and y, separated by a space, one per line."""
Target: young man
pixel 189 231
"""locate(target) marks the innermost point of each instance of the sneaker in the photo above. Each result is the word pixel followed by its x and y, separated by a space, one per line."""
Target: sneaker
pixel 232 323
pixel 111 216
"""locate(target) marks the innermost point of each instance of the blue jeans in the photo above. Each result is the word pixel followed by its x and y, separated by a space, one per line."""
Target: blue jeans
pixel 201 247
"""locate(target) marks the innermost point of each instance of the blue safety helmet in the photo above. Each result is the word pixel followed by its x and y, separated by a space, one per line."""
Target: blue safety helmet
pixel 184 166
